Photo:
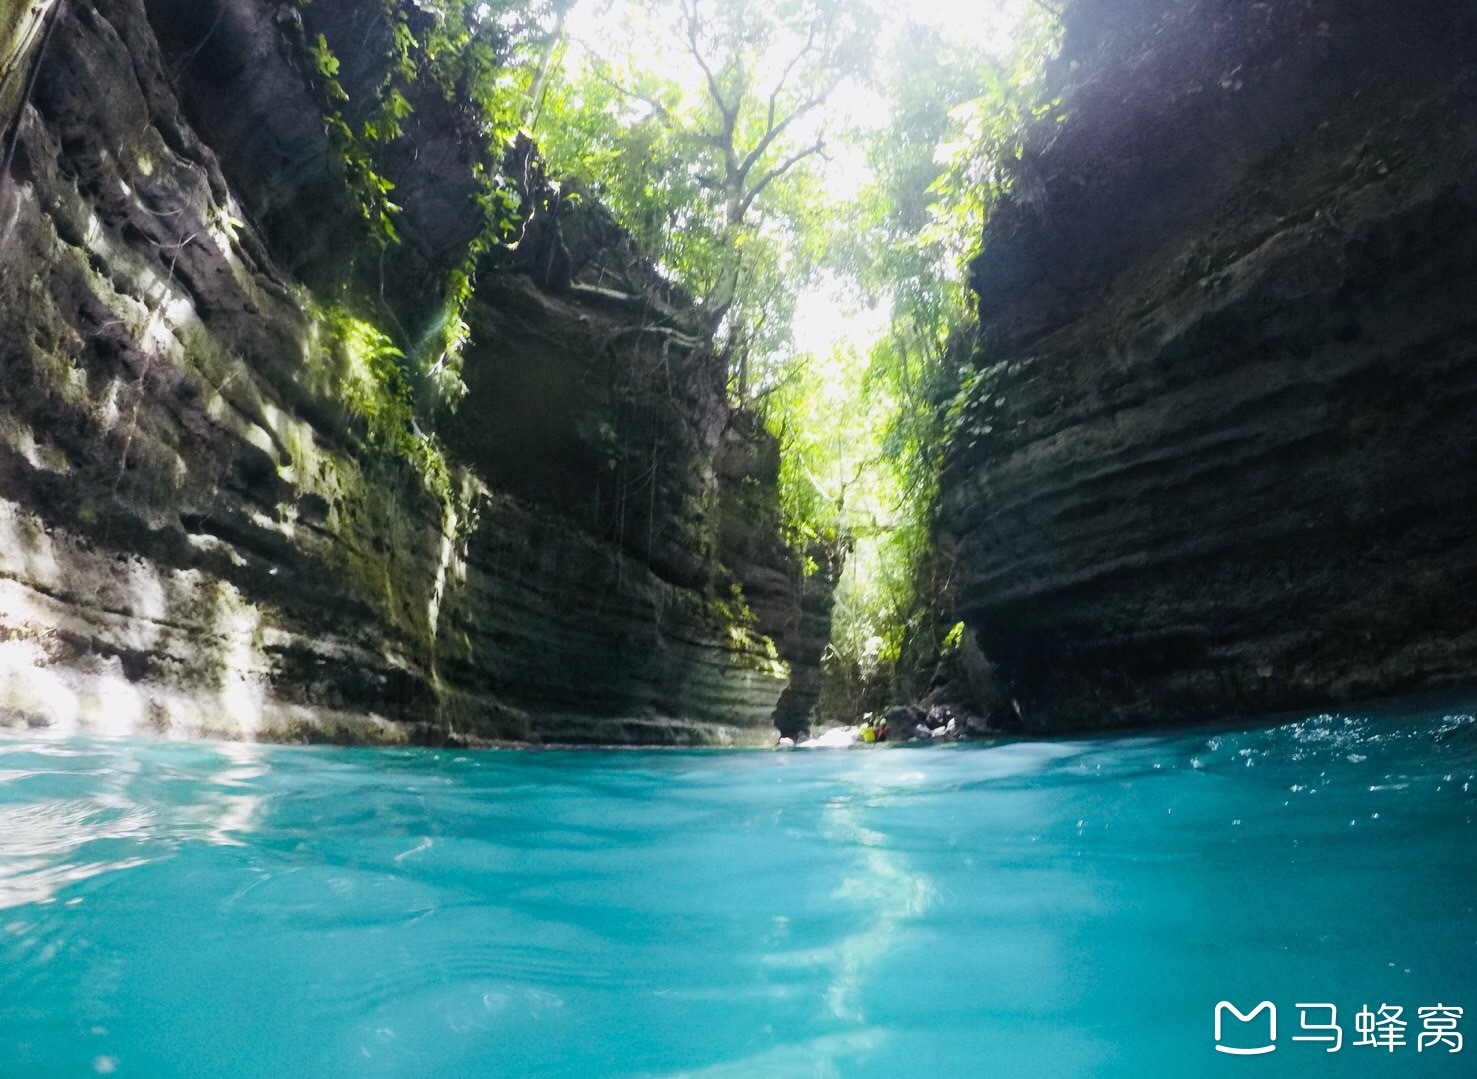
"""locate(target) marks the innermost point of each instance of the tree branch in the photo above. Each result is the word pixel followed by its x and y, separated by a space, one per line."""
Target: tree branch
pixel 789 68
pixel 656 106
pixel 779 170
pixel 715 88
pixel 775 131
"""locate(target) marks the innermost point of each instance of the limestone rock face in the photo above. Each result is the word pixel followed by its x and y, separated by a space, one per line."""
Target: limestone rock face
pixel 196 534
pixel 1222 453
pixel 597 394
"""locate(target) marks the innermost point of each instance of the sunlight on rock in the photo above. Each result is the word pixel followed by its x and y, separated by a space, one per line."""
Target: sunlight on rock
pixel 31 694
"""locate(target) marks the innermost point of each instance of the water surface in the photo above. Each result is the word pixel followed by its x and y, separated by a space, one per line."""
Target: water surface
pixel 1073 907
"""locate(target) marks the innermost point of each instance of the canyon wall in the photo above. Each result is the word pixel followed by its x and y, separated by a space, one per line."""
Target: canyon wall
pixel 1221 454
pixel 206 528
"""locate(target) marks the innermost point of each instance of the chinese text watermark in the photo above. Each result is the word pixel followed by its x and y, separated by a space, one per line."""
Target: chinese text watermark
pixel 1254 1032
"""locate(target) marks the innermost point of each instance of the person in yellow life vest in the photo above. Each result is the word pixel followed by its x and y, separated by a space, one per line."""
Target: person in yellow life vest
pixel 867 733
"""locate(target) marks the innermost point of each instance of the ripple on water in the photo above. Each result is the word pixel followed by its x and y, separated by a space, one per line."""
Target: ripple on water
pixel 1065 907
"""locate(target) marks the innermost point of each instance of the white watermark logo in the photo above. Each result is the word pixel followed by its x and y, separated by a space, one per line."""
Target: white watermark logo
pixel 1319 1023
pixel 1246 1017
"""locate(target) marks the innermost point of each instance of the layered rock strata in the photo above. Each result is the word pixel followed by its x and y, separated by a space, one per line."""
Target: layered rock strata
pixel 1220 455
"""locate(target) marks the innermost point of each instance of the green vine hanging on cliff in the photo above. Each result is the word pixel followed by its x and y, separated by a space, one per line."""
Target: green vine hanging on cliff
pixel 479 57
pixel 358 149
pixel 368 372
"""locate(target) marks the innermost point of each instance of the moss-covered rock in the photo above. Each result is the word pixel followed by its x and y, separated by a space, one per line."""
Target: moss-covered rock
pixel 219 515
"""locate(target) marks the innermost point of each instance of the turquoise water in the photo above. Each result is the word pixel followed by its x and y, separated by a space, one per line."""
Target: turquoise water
pixel 1074 907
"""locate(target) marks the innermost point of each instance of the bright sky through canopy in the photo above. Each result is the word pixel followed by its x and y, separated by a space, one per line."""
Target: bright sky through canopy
pixel 826 315
pixel 826 312
pixel 989 24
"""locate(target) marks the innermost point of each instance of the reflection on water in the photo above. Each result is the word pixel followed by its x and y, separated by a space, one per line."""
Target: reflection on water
pixel 46 845
pixel 39 848
pixel 879 885
pixel 1064 908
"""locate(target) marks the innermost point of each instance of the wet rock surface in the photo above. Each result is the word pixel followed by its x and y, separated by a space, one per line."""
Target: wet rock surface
pixel 1220 456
